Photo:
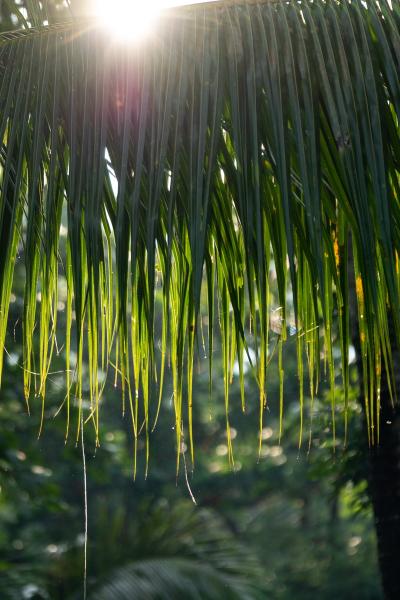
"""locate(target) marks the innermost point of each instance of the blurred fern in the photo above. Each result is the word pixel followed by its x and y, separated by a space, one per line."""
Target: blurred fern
pixel 167 551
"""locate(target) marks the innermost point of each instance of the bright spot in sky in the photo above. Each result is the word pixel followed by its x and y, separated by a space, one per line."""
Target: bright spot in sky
pixel 132 20
pixel 127 20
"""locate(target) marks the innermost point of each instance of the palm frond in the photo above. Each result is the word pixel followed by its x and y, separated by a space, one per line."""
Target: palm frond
pixel 258 142
pixel 163 579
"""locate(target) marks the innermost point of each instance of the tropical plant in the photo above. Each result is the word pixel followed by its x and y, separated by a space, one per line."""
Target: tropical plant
pixel 167 552
pixel 257 143
pixel 181 552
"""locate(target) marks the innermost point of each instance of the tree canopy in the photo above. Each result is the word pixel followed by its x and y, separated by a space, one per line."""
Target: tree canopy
pixel 247 151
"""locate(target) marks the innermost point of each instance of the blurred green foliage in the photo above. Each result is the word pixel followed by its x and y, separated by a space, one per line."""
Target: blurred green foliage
pixel 293 524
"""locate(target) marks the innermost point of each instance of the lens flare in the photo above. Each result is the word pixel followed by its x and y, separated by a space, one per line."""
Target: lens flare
pixel 127 20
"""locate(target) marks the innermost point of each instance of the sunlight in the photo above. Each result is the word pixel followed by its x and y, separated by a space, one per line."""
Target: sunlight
pixel 128 20
pixel 132 20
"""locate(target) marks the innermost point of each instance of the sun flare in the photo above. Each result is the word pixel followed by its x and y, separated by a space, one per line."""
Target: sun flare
pixel 133 20
pixel 128 20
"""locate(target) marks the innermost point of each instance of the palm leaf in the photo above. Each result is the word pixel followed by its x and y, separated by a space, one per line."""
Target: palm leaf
pixel 163 579
pixel 246 137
